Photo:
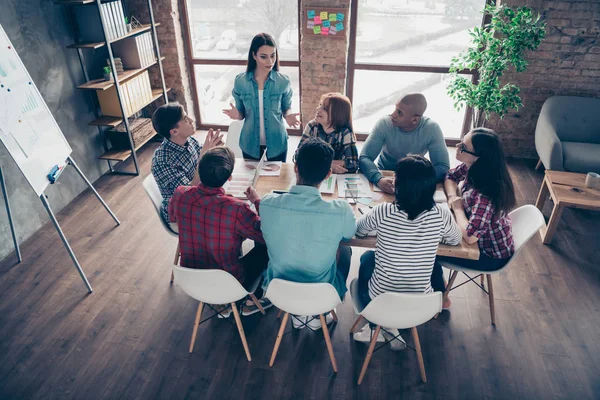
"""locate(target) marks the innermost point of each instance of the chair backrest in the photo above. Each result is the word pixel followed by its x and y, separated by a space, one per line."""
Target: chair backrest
pixel 527 220
pixel 575 119
pixel 212 286
pixel 302 298
pixel 152 190
pixel 403 310
pixel 233 137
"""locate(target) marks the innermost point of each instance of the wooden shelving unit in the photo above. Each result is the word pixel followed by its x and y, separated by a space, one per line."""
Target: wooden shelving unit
pixel 94 85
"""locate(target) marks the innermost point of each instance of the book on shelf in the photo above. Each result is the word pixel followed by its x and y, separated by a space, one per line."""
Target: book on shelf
pixel 136 51
pixel 90 24
pixel 137 93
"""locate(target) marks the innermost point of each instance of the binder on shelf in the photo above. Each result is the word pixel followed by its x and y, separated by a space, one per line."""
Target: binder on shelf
pixel 137 93
pixel 134 51
pixel 120 18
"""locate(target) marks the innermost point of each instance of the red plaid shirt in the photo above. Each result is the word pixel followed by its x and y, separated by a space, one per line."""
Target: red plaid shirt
pixel 212 227
pixel 495 234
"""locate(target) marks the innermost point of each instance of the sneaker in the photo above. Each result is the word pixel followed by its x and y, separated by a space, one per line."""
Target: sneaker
pixel 364 335
pixel 224 311
pixel 249 309
pixel 298 321
pixel 397 344
pixel 315 323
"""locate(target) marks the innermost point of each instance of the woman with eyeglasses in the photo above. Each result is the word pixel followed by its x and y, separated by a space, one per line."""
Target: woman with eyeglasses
pixel 481 193
pixel 333 124
pixel 263 99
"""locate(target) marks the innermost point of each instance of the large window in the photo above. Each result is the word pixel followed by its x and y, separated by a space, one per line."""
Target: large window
pixel 402 46
pixel 218 38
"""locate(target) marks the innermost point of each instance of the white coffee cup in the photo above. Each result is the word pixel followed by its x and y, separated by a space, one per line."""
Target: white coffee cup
pixel 592 180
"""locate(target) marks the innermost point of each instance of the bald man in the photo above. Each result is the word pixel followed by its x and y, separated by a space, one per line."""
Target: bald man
pixel 405 131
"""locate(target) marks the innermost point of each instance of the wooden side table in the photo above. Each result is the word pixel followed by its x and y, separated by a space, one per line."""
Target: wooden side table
pixel 567 189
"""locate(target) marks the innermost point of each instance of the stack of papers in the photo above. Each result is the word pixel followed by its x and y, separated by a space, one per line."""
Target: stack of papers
pixel 328 185
pixel 238 184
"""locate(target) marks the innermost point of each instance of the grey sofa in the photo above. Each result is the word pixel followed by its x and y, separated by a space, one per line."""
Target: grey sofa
pixel 567 135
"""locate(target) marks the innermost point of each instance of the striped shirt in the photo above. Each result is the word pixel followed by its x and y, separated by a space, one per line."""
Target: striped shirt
pixel 405 249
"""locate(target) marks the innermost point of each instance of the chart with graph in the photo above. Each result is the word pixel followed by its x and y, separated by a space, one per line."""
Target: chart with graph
pixel 27 127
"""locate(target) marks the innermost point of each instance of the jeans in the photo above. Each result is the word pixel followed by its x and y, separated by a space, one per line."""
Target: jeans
pixel 344 257
pixel 282 157
pixel 484 264
pixel 367 266
pixel 255 262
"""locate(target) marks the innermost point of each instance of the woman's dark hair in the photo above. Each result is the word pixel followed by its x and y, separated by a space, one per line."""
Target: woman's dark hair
pixel 262 39
pixel 314 159
pixel 339 110
pixel 166 117
pixel 415 185
pixel 489 174
pixel 216 166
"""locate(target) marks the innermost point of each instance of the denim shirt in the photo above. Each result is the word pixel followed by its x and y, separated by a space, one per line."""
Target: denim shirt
pixel 277 100
pixel 302 232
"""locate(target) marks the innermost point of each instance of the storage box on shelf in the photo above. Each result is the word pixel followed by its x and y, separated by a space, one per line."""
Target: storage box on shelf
pixel 141 131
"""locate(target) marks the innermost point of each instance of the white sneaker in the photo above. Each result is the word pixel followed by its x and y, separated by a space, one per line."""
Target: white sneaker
pixel 397 344
pixel 315 324
pixel 364 335
pixel 298 321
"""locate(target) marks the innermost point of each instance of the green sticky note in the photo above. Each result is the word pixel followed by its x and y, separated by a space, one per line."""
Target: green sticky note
pixel 339 26
pixel 326 24
pixel 332 17
pixel 311 14
pixel 317 30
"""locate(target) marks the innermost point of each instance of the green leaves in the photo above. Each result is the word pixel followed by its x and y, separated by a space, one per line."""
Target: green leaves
pixel 497 46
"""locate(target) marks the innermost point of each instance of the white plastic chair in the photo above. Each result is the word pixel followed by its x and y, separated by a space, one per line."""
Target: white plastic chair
pixel 218 287
pixel 233 137
pixel 395 310
pixel 303 299
pixel 152 190
pixel 527 220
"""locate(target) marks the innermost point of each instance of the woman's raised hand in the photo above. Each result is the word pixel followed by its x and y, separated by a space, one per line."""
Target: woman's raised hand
pixel 292 120
pixel 233 112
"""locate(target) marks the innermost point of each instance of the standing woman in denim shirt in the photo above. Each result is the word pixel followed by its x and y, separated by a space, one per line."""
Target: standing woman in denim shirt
pixel 263 99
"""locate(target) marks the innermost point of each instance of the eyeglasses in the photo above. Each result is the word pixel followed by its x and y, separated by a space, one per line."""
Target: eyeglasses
pixel 463 149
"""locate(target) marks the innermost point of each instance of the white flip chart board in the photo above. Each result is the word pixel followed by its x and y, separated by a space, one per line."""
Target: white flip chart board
pixel 27 127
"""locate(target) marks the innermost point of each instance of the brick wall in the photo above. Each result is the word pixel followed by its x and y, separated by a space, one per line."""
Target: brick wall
pixel 566 63
pixel 322 60
pixel 170 39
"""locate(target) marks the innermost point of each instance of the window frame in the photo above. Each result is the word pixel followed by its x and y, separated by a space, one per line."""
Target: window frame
pixel 192 62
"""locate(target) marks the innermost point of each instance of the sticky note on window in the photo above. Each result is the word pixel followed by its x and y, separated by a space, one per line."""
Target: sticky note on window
pixel 332 30
pixel 325 31
pixel 310 24
pixel 339 26
pixel 323 15
pixel 326 24
pixel 340 16
pixel 317 30
pixel 317 20
pixel 311 14
pixel 332 17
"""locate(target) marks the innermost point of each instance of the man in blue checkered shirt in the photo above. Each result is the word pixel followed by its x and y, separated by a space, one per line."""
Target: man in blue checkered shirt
pixel 175 162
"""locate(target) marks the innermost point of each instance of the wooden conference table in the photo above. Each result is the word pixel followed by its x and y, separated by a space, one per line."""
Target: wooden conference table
pixel 266 184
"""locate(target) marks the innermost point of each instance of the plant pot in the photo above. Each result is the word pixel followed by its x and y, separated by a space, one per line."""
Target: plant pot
pixel 129 27
pixel 108 77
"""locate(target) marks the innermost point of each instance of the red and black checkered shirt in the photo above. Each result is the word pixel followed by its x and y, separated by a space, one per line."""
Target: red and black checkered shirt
pixel 212 227
pixel 494 233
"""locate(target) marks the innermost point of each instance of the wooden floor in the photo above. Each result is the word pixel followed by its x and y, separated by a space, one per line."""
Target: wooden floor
pixel 129 339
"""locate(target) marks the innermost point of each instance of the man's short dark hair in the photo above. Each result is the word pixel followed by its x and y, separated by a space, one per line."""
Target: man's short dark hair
pixel 314 159
pixel 166 117
pixel 415 185
pixel 216 166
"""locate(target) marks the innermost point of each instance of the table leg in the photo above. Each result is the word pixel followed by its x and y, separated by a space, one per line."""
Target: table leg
pixel 542 196
pixel 548 233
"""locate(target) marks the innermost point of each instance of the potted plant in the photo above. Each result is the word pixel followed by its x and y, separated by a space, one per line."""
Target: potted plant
pixel 107 73
pixel 128 24
pixel 495 47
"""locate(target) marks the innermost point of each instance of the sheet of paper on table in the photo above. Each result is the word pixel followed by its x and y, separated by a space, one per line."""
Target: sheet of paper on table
pixel 353 185
pixel 328 185
pixel 440 197
pixel 238 184
pixel 269 168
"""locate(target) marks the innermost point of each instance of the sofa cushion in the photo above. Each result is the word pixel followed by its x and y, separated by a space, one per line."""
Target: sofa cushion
pixel 581 157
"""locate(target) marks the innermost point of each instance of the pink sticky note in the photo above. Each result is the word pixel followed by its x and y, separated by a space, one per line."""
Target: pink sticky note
pixel 317 20
pixel 325 31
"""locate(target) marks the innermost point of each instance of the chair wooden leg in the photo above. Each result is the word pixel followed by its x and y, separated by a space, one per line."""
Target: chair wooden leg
pixel 177 254
pixel 172 276
pixel 358 321
pixel 328 342
pixel 363 371
pixel 196 323
pixel 238 322
pixel 334 315
pixel 539 164
pixel 255 301
pixel 279 314
pixel 415 336
pixel 450 283
pixel 279 337
pixel 491 296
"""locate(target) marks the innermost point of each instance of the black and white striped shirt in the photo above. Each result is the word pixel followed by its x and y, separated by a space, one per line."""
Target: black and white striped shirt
pixel 405 250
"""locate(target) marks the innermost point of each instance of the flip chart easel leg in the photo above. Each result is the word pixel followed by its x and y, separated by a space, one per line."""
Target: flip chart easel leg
pixel 70 160
pixel 64 240
pixel 10 220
